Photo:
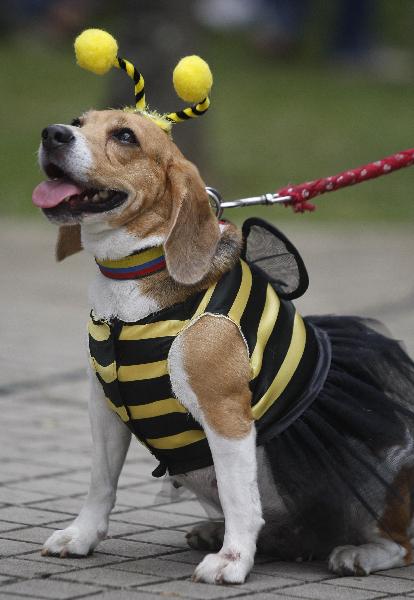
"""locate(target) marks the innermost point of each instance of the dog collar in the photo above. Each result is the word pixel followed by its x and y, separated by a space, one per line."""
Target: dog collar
pixel 137 265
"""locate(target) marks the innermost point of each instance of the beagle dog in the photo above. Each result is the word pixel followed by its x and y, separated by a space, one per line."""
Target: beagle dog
pixel 119 188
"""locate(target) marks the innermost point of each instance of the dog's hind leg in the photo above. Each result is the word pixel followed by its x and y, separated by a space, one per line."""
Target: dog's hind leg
pixel 390 546
pixel 110 444
pixel 367 558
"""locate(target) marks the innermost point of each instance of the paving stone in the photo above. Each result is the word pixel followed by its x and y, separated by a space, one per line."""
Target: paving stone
pixel 189 589
pixel 122 547
pixel 378 583
pixel 152 517
pixel 124 595
pixel 320 591
pixel 94 560
pixel 192 557
pixel 10 547
pixel 403 572
pixel 17 567
pixel 274 595
pixel 48 588
pixel 157 566
pixel 52 486
pixel 111 577
pixel 28 516
pixel 191 507
pixel 66 506
pixel 7 526
pixel 261 582
pixel 167 537
pixel 305 571
pixel 37 535
pixel 10 495
pixel 131 497
pixel 119 529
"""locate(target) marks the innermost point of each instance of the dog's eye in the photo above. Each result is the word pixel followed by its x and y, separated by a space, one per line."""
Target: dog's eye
pixel 126 136
pixel 76 122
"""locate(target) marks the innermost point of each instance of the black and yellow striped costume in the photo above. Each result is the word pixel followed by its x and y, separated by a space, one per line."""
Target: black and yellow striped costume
pixel 131 362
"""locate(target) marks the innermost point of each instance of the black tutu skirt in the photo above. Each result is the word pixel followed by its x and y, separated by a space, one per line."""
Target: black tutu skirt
pixel 336 464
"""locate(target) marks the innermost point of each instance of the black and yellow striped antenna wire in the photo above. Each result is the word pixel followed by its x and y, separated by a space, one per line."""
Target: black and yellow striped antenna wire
pixel 97 51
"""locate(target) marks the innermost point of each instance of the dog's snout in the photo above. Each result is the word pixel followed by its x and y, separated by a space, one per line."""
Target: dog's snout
pixel 56 136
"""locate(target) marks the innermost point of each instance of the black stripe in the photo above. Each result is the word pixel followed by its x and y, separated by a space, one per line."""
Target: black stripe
pixel 137 76
pixel 134 352
pixel 187 458
pixel 164 425
pixel 225 291
pixel 251 316
pixel 102 352
pixel 182 115
pixel 122 64
pixel 276 349
pixel 139 95
pixel 111 391
pixel 286 406
pixel 195 109
pixel 150 389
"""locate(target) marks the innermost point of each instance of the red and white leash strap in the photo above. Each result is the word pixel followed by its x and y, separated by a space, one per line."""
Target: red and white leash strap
pixel 299 196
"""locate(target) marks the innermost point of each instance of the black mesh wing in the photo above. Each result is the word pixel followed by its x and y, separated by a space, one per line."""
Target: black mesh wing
pixel 269 251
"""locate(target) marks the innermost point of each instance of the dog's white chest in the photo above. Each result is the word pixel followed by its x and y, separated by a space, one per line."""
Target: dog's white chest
pixel 121 299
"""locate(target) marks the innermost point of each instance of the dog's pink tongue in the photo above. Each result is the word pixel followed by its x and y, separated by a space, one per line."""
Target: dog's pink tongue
pixel 51 193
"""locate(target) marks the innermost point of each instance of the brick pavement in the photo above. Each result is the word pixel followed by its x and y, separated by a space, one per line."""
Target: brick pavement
pixel 45 442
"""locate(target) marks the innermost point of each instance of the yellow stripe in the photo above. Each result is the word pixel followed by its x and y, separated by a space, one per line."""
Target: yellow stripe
pixel 144 371
pixel 189 112
pixel 135 260
pixel 177 441
pixel 206 299
pixel 140 85
pixel 239 304
pixel 152 330
pixel 286 371
pixel 174 117
pixel 120 410
pixel 156 409
pixel 266 325
pixel 204 105
pixel 100 333
pixel 108 373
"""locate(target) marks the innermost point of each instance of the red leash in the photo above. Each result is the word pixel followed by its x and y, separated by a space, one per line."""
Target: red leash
pixel 299 195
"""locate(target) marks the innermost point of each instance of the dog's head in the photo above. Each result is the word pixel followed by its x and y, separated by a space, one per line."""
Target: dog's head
pixel 120 169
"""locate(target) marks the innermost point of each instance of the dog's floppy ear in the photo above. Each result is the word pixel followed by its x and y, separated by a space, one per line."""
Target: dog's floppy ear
pixel 194 231
pixel 68 241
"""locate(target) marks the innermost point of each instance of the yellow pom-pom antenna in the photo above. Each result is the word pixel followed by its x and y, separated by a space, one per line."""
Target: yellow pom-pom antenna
pixel 192 81
pixel 97 51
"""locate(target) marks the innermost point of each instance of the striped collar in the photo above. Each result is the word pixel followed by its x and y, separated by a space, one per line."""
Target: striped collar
pixel 137 265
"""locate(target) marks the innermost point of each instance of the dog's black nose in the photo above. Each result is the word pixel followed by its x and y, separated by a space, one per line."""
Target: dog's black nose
pixel 56 136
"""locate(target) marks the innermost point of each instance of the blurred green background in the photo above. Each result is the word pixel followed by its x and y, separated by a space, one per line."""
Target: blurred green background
pixel 272 122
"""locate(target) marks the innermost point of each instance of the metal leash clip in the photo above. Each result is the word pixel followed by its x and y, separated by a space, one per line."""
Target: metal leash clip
pixel 218 205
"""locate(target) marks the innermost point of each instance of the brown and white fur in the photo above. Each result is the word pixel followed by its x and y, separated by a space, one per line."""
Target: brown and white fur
pixel 167 204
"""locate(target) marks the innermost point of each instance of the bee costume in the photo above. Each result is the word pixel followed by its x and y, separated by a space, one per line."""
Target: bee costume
pixel 331 395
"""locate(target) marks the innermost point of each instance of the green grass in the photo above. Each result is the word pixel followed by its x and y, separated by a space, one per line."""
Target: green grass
pixel 276 125
pixel 269 125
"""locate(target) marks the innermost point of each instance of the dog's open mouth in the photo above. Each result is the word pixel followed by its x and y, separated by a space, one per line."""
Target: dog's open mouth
pixel 61 195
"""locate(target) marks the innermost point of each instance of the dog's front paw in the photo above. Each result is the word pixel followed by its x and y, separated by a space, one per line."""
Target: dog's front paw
pixel 72 541
pixel 223 567
pixel 206 536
